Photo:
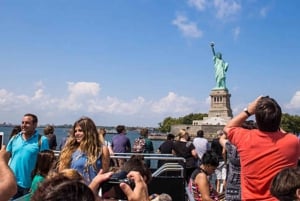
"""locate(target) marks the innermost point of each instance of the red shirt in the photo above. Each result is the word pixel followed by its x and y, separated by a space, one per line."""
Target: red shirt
pixel 262 155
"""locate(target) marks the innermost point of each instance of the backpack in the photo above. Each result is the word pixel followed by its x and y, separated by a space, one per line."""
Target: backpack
pixel 139 145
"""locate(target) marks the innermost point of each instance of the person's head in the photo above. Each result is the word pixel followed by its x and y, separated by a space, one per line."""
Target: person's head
pixel 163 197
pixel 15 130
pixel 85 131
pixel 285 185
pixel 170 136
pixel 136 163
pixel 29 124
pixel 48 130
pixel 200 133
pixel 268 114
pixel 183 134
pixel 121 129
pixel 144 132
pixel 45 162
pixel 61 188
pixel 220 133
pixel 210 161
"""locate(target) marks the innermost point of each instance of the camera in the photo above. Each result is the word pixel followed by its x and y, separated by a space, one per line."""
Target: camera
pixel 111 188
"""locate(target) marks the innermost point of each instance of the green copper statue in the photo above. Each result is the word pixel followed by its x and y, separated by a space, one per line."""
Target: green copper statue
pixel 220 69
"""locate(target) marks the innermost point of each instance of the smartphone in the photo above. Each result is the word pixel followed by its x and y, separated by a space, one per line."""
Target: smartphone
pixel 1 139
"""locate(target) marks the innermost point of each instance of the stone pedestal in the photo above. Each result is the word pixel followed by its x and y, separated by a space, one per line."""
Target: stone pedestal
pixel 220 104
pixel 219 114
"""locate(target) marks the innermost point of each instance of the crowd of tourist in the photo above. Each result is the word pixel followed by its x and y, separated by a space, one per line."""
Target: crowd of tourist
pixel 249 161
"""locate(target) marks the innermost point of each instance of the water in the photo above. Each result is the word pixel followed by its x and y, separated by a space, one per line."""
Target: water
pixel 62 132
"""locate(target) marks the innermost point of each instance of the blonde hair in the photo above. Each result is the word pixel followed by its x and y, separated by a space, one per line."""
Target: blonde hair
pixel 182 134
pixel 101 133
pixel 90 144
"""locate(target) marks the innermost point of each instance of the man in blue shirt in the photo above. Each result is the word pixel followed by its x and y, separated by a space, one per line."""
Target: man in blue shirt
pixel 24 148
pixel 121 143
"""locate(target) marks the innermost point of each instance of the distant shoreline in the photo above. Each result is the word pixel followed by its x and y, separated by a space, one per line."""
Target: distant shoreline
pixel 157 136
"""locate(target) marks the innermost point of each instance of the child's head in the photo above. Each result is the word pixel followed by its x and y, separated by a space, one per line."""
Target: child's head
pixel 45 162
pixel 136 163
pixel 60 187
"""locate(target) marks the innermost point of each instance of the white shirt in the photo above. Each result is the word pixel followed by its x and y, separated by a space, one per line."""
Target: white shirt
pixel 201 145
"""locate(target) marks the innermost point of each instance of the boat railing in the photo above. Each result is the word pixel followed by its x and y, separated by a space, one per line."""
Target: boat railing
pixel 169 167
pixel 150 156
pixel 56 153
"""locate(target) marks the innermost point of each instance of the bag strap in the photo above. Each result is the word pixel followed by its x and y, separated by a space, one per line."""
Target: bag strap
pixel 39 141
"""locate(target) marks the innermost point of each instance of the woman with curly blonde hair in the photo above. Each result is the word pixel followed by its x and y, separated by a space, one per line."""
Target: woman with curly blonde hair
pixel 84 151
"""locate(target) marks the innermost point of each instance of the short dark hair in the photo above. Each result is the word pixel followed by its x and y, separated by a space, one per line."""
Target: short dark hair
pixel 268 114
pixel 136 163
pixel 34 117
pixel 210 158
pixel 170 136
pixel 120 128
pixel 285 184
pixel 200 133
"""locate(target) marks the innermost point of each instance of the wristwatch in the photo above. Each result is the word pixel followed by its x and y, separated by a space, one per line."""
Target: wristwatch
pixel 247 112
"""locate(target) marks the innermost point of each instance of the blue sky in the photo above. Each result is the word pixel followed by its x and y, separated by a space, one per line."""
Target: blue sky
pixel 135 62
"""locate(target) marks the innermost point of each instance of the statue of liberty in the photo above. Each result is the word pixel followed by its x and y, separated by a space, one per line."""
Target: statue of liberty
pixel 220 69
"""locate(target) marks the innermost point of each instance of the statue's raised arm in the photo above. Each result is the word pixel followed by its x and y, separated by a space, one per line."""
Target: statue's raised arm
pixel 220 69
pixel 212 48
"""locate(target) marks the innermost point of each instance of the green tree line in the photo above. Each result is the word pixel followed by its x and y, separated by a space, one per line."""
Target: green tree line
pixel 165 126
pixel 289 123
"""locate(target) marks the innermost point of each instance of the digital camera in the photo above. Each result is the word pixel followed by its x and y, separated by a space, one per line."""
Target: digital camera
pixel 111 188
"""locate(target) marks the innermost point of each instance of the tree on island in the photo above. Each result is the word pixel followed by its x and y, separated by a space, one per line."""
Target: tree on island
pixel 165 126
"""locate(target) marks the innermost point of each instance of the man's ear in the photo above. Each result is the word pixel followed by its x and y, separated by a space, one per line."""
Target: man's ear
pixel 298 193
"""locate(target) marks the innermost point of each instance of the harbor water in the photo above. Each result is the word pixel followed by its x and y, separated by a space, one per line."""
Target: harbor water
pixel 62 132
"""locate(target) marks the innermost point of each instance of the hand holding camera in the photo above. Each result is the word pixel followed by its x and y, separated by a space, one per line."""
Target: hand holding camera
pixel 111 187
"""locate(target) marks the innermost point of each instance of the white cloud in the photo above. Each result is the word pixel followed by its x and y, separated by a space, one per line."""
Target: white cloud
pixel 264 11
pixel 236 33
pixel 83 98
pixel 198 4
pixel 83 88
pixel 226 8
pixel 188 28
pixel 114 105
pixel 79 95
pixel 174 104
pixel 38 94
pixel 5 97
pixel 295 101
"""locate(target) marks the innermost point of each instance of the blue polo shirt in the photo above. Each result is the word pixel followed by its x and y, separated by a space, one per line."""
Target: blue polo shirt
pixel 24 155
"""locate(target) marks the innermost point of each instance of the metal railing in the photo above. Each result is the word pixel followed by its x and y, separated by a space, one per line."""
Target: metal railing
pixel 169 167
